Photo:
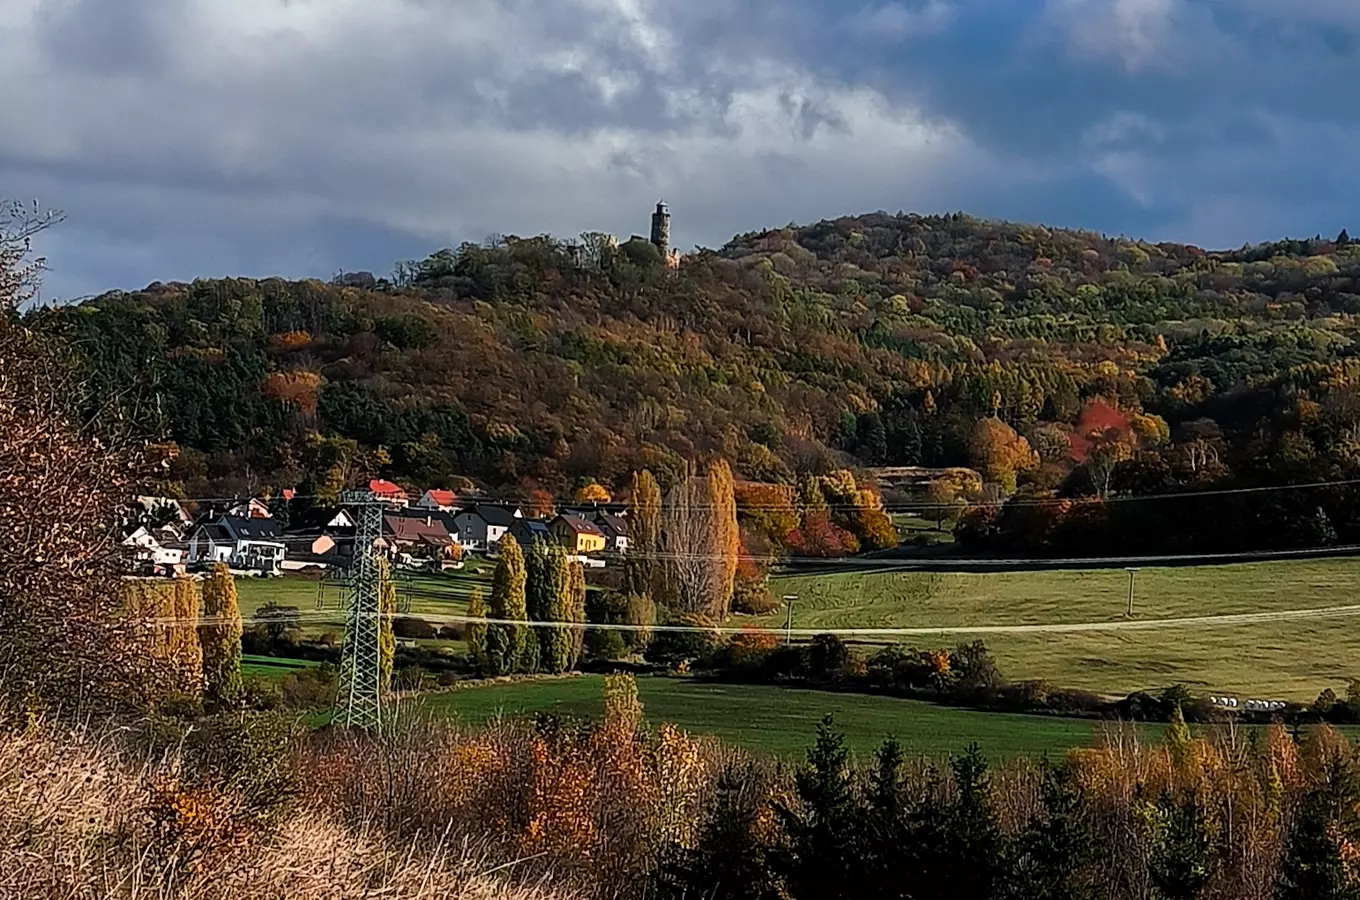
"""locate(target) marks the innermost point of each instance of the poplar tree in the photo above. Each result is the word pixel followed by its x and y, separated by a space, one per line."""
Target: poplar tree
pixel 576 610
pixel 220 637
pixel 644 535
pixel 549 595
pixel 387 606
pixel 505 639
pixel 475 633
pixel 726 536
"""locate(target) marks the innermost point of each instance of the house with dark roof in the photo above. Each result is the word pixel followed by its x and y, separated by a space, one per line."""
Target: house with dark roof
pixel 526 531
pixel 250 544
pixel 320 537
pixel 580 536
pixel 424 534
pixel 615 530
pixel 480 527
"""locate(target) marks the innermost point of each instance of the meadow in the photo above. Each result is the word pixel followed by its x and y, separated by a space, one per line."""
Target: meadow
pixel 781 721
pixel 1291 659
pixel 1288 659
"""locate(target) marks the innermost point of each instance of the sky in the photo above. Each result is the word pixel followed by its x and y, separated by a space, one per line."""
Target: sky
pixel 300 138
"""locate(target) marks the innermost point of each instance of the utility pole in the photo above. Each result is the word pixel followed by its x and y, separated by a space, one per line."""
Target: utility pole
pixel 359 700
pixel 788 621
pixel 1131 570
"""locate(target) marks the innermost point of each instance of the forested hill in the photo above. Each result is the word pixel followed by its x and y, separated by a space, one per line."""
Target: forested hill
pixel 534 363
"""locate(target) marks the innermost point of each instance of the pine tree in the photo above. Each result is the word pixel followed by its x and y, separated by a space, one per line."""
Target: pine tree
pixel 475 633
pixel 822 830
pixel 1312 867
pixel 387 607
pixel 1181 857
pixel 1055 852
pixel 220 638
pixel 885 826
pixel 505 642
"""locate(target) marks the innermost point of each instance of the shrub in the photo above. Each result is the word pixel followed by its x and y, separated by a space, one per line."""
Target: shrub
pixel 672 647
pixel 413 629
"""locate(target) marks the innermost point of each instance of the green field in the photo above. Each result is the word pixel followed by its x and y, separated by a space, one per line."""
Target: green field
pixel 782 721
pixel 1292 659
pixel 271 667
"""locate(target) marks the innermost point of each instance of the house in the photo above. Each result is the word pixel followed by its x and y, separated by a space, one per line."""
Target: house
pixel 242 543
pixel 615 530
pixel 423 535
pixel 578 535
pixel 437 498
pixel 526 531
pixel 320 537
pixel 481 527
pixel 388 493
pixel 160 551
pixel 254 508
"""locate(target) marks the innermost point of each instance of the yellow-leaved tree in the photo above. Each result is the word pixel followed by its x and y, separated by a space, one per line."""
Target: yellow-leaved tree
pixel 219 634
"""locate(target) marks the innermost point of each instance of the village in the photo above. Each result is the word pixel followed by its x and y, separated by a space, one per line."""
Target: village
pixel 255 537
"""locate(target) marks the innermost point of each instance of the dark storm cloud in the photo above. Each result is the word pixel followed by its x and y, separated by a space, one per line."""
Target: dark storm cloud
pixel 194 137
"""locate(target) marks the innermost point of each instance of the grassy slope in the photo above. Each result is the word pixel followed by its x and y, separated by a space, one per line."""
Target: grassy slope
pixel 782 721
pixel 1293 660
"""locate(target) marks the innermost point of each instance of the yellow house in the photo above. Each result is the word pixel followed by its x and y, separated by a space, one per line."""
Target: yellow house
pixel 577 534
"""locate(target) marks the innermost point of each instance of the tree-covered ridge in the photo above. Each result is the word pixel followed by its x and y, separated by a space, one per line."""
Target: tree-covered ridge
pixel 535 363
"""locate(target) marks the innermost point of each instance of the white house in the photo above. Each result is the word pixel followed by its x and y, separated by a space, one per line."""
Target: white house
pixel 482 526
pixel 166 508
pixel 615 530
pixel 254 508
pixel 241 543
pixel 436 498
pixel 161 548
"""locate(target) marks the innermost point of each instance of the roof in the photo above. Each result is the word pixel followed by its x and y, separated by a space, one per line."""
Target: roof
pixel 616 524
pixel 315 519
pixel 491 514
pixel 442 497
pixel 580 525
pixel 384 488
pixel 214 531
pixel 531 527
pixel 425 529
pixel 255 529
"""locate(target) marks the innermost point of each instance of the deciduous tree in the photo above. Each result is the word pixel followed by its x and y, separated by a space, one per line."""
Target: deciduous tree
pixel 220 636
pixel 506 640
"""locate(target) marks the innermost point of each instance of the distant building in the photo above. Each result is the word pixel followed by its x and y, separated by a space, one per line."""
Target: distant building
pixel 388 493
pixel 436 498
pixel 481 527
pixel 241 543
pixel 578 535
pixel 526 531
pixel 661 234
pixel 615 529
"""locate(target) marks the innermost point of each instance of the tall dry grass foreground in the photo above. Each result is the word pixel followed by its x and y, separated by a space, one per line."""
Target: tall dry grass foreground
pixel 83 816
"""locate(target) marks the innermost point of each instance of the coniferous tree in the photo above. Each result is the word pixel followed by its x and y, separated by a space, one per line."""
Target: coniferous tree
pixel 885 831
pixel 505 640
pixel 1312 867
pixel 220 638
pixel 1054 854
pixel 823 856
pixel 1181 857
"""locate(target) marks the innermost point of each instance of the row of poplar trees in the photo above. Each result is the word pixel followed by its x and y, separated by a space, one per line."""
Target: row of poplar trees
pixel 544 587
pixel 200 657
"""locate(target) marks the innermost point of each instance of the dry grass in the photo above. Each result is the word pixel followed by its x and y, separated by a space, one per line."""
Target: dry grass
pixel 83 817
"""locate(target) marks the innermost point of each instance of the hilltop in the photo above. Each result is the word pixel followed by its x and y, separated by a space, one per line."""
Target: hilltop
pixel 533 363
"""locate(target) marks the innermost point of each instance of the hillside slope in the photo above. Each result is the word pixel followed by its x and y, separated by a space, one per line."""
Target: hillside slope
pixel 535 364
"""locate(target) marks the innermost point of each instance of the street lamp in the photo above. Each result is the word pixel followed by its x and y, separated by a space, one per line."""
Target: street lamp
pixel 1131 570
pixel 788 622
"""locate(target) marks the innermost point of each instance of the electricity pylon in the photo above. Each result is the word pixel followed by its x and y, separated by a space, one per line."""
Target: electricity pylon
pixel 359 699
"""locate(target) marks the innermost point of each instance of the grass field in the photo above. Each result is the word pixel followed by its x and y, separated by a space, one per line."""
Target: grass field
pixel 271 667
pixel 1283 659
pixel 782 721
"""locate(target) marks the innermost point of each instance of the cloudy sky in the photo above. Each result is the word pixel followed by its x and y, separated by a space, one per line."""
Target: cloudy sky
pixel 187 138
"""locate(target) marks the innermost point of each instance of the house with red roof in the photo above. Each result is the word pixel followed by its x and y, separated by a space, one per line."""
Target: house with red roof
pixel 387 492
pixel 440 499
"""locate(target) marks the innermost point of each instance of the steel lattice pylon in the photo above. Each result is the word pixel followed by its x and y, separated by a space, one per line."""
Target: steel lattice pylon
pixel 359 700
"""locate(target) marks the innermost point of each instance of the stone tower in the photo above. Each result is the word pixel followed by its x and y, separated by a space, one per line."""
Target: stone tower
pixel 661 229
